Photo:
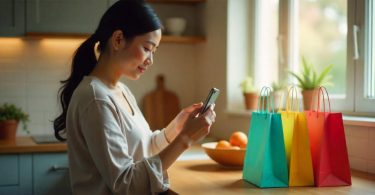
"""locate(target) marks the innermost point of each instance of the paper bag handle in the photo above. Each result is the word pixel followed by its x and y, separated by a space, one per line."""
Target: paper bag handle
pixel 321 91
pixel 265 97
pixel 295 101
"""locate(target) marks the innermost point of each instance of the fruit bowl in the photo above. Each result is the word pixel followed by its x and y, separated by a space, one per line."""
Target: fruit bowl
pixel 224 156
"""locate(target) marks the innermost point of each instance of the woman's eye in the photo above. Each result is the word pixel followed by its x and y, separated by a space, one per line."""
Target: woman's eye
pixel 147 49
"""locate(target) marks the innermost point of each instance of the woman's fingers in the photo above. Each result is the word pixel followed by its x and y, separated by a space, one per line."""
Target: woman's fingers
pixel 194 112
pixel 197 127
pixel 192 107
pixel 210 113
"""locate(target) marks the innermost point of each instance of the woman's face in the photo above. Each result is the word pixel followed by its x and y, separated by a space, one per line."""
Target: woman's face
pixel 135 57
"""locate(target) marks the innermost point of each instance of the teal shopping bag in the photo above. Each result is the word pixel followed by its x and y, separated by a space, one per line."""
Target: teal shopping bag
pixel 265 163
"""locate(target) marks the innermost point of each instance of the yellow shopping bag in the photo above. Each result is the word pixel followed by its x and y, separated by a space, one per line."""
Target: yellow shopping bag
pixel 297 144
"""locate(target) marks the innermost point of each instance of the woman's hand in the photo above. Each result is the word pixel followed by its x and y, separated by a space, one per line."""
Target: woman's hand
pixel 191 128
pixel 196 127
pixel 175 126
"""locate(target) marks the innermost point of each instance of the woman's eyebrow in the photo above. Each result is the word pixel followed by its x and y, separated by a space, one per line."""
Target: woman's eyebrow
pixel 152 43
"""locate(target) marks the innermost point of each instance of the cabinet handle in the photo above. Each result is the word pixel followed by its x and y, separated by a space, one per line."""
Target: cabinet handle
pixel 57 168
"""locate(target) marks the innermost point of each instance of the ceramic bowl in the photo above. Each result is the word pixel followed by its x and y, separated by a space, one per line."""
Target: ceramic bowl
pixel 226 157
pixel 176 25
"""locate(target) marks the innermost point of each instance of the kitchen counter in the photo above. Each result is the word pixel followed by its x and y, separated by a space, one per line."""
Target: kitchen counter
pixel 27 145
pixel 207 177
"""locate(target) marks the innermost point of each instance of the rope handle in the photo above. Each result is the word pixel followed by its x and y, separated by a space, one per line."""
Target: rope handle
pixel 295 102
pixel 265 97
pixel 321 91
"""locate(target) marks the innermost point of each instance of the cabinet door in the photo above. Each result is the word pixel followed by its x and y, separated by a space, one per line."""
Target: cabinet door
pixel 12 17
pixel 15 174
pixel 64 16
pixel 51 174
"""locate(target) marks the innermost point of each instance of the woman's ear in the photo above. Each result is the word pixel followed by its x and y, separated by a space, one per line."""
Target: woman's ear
pixel 117 40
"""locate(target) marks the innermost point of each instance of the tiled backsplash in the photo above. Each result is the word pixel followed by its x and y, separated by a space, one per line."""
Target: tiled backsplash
pixel 30 72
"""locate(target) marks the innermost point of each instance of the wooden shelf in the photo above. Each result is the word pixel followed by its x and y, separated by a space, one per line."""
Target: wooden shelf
pixel 164 39
pixel 192 2
pixel 182 39
pixel 56 35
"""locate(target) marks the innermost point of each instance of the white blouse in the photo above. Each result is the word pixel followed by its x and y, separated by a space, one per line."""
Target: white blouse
pixel 110 150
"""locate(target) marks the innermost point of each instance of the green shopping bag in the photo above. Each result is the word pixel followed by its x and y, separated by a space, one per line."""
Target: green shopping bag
pixel 265 163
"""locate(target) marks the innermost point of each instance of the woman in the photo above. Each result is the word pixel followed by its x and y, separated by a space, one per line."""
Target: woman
pixel 110 146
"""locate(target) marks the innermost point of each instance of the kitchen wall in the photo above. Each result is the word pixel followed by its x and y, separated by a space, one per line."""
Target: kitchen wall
pixel 30 70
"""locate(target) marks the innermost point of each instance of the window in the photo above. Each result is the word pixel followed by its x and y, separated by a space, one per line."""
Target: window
pixel 325 32
pixel 319 34
pixel 266 52
pixel 318 31
pixel 338 32
pixel 364 63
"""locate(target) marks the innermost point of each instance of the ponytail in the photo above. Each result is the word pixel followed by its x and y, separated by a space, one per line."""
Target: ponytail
pixel 133 18
pixel 83 63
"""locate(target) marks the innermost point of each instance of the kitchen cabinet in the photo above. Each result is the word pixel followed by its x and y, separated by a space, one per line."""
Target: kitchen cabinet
pixel 64 16
pixel 12 14
pixel 30 168
pixel 51 174
pixel 79 18
pixel 37 173
pixel 16 172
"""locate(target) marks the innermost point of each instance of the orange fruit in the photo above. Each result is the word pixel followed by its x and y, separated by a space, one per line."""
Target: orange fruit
pixel 234 148
pixel 223 144
pixel 239 139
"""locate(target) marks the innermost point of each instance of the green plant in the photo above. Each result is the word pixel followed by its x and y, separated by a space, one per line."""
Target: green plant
pixel 277 86
pixel 247 85
pixel 12 112
pixel 309 78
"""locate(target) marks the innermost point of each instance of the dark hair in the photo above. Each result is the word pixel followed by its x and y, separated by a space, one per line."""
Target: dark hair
pixel 133 18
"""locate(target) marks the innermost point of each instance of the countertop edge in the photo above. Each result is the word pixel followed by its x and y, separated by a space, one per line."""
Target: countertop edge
pixel 27 145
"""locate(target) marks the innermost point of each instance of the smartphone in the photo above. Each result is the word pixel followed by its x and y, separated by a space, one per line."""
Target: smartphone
pixel 211 98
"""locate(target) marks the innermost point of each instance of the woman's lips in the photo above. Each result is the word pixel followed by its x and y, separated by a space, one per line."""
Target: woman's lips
pixel 142 70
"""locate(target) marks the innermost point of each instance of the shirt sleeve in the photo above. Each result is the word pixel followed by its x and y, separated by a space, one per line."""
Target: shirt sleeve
pixel 108 148
pixel 158 141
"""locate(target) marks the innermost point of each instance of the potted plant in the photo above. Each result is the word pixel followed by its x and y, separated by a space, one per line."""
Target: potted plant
pixel 10 116
pixel 250 93
pixel 309 80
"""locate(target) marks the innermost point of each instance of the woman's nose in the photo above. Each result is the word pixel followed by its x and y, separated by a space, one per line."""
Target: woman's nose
pixel 149 61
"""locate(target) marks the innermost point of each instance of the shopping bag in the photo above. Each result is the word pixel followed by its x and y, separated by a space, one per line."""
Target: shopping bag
pixel 265 160
pixel 297 144
pixel 328 145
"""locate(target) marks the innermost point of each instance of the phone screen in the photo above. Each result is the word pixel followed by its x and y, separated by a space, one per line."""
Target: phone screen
pixel 211 98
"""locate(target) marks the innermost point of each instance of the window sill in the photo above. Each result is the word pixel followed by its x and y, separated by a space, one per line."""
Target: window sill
pixel 359 121
pixel 348 120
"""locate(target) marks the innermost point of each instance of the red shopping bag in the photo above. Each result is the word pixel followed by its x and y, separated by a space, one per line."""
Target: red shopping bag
pixel 328 146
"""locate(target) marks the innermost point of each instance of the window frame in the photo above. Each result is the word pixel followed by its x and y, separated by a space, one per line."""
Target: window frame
pixel 353 102
pixel 362 104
